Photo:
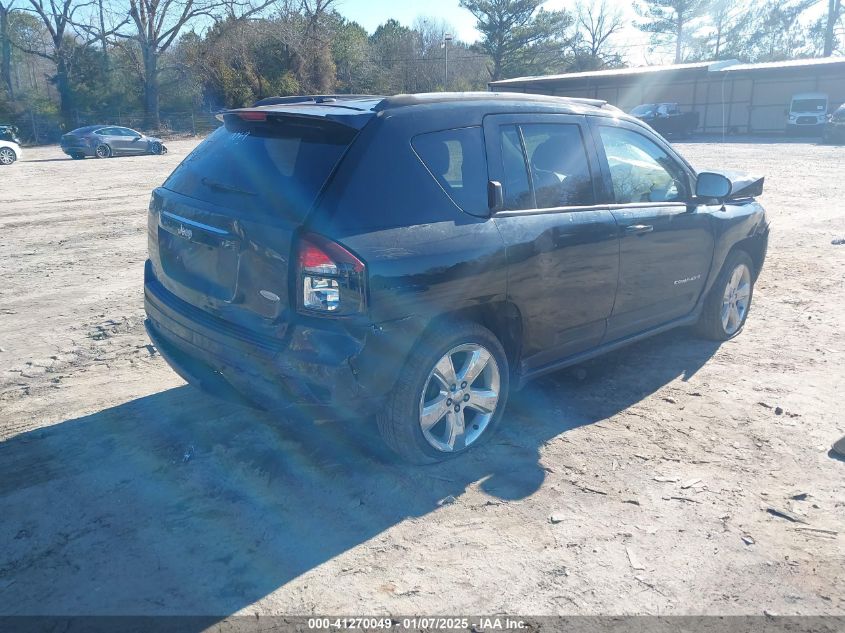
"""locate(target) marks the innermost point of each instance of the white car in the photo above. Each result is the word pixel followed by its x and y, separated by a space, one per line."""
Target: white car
pixel 9 152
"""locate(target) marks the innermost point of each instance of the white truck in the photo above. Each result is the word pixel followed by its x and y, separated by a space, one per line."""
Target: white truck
pixel 807 113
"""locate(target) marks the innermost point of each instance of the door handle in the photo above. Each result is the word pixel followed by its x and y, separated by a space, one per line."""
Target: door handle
pixel 639 229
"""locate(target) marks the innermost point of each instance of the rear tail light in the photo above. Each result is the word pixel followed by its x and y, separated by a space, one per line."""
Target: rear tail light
pixel 330 279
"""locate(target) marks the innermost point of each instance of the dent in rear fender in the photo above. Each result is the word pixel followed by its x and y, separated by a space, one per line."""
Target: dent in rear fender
pixel 385 350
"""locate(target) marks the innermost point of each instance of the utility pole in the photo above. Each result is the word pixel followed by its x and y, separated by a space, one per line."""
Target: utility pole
pixel 447 37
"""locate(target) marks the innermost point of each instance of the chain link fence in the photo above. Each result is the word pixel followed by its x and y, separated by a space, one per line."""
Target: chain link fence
pixel 39 128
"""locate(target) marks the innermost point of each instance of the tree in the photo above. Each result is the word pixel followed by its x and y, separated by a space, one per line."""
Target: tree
pixel 58 18
pixel 351 53
pixel 158 23
pixel 722 16
pixel 596 23
pixel 6 8
pixel 671 21
pixel 393 46
pixel 768 32
pixel 834 10
pixel 519 36
pixel 313 64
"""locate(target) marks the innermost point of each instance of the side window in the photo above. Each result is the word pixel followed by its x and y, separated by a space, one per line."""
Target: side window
pixel 640 170
pixel 125 131
pixel 515 188
pixel 105 131
pixel 558 163
pixel 457 161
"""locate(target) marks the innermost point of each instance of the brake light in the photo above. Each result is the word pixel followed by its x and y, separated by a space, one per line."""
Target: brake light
pixel 253 116
pixel 312 259
pixel 329 277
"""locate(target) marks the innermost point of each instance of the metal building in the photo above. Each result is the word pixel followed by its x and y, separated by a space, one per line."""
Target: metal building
pixel 730 96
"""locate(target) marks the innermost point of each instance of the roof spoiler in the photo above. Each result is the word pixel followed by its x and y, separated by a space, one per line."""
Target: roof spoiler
pixel 304 111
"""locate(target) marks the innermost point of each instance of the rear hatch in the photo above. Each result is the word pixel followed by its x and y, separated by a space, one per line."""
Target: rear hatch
pixel 221 228
pixel 72 140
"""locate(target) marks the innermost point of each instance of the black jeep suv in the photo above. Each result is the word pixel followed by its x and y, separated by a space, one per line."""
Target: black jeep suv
pixel 412 257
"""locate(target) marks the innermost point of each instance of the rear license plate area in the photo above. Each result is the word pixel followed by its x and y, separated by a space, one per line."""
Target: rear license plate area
pixel 199 256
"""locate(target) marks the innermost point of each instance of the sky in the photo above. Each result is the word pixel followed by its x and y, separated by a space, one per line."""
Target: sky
pixel 371 13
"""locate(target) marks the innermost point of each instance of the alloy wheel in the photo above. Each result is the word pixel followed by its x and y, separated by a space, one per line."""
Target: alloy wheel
pixel 7 156
pixel 735 299
pixel 459 398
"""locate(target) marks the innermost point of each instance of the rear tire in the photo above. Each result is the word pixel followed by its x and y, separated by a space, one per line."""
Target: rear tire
pixel 7 156
pixel 77 156
pixel 103 151
pixel 726 307
pixel 432 414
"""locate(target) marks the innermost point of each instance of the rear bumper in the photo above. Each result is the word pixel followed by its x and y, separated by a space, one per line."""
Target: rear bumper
pixel 70 150
pixel 805 128
pixel 327 372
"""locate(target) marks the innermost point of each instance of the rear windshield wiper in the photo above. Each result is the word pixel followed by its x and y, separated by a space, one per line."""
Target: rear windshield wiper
pixel 213 184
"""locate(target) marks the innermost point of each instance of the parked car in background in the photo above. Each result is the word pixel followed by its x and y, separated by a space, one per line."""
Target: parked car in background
pixel 10 145
pixel 105 141
pixel 807 113
pixel 834 129
pixel 410 258
pixel 667 118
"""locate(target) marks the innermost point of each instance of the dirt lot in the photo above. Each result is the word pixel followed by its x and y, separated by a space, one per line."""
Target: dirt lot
pixel 124 491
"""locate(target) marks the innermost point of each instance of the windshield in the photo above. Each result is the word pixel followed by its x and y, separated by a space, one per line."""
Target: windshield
pixel 809 105
pixel 643 110
pixel 273 167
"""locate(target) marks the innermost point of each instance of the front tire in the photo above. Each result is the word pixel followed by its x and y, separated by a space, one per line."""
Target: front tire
pixel 449 397
pixel 103 151
pixel 726 307
pixel 7 156
pixel 157 148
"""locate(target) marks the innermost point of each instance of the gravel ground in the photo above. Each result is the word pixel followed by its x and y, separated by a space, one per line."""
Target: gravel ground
pixel 648 481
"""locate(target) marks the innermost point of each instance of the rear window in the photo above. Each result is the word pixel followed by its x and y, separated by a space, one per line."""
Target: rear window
pixel 457 161
pixel 272 168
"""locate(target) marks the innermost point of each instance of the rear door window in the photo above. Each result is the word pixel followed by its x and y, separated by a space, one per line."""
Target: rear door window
pixel 558 165
pixel 271 168
pixel 544 166
pixel 456 160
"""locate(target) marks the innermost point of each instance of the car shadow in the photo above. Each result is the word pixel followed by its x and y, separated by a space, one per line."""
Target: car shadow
pixel 177 503
pixel 47 160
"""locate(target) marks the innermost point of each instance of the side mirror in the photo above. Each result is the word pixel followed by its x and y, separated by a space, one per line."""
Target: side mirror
pixel 712 185
pixel 495 197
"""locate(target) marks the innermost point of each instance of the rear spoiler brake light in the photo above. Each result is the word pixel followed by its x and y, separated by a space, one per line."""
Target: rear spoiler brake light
pixel 245 115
